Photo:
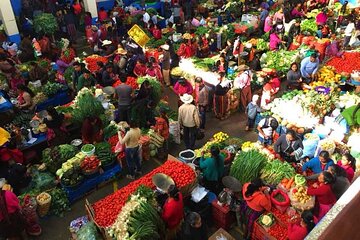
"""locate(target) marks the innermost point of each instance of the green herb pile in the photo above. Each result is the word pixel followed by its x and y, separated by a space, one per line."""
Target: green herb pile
pixel 247 165
pixel 45 23
pixel 86 106
pixel 275 171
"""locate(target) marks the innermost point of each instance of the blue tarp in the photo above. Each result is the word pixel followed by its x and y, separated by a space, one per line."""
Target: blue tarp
pixel 60 98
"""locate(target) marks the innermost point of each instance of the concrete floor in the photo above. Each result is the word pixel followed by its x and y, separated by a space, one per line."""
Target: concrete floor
pixel 56 228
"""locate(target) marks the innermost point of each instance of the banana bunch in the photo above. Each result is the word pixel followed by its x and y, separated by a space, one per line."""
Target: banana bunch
pixel 220 137
pixel 325 76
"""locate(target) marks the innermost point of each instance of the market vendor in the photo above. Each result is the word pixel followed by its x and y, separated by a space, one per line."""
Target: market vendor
pixel 166 62
pixel 257 201
pixel 85 80
pixel 275 41
pixel 108 76
pixel 37 73
pixel 270 89
pixel 289 146
pixel 325 198
pixel 309 67
pixel 293 32
pixel 173 212
pixel 318 164
pixel 341 183
pixel 221 65
pixel 334 48
pixel 348 163
pixel 55 123
pixel 297 12
pixel 25 98
pixel 298 231
pixel 293 77
pixel 91 130
pixel 213 169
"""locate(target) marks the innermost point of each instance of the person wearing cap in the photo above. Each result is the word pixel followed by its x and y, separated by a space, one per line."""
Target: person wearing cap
pixel 309 67
pixel 166 59
pixel 85 80
pixel 294 31
pixel 188 118
pixel 243 83
pixel 202 100
pixel 120 58
pixel 173 212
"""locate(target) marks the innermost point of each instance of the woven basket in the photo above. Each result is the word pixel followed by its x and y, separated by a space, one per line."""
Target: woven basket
pixel 43 206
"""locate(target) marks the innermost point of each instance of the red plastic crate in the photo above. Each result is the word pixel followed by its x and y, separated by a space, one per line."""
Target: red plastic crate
pixel 222 216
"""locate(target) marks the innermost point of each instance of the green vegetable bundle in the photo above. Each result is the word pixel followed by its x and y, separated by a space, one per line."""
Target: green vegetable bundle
pixel 110 130
pixel 59 202
pixel 86 105
pixel 54 158
pixel 103 152
pixel 22 120
pixel 88 232
pixel 45 23
pixel 262 45
pixel 204 63
pixel 145 223
pixel 279 60
pixel 156 87
pixel 291 94
pixel 68 75
pixel 275 171
pixel 309 25
pixel 51 88
pixel 247 165
pixel 145 192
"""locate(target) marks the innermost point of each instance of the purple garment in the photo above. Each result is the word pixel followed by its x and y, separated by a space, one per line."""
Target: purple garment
pixel 333 50
pixel 62 66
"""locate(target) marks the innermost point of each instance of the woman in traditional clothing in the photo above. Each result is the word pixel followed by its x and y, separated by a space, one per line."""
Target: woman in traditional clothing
pixel 257 201
pixel 221 101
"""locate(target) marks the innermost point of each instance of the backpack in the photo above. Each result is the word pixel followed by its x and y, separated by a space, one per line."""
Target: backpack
pixel 273 123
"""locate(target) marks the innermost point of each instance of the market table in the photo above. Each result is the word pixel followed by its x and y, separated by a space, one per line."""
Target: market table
pixel 61 98
pixel 91 183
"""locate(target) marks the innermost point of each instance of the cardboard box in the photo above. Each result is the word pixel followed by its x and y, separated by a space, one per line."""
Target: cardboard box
pixel 221 232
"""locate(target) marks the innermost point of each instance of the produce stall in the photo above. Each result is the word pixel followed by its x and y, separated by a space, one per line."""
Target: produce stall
pixel 107 210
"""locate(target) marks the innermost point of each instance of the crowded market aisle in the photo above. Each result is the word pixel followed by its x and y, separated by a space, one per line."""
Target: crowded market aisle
pixel 154 97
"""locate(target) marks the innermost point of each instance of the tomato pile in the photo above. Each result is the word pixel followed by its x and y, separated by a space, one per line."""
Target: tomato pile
pixel 348 64
pixel 283 217
pixel 107 209
pixel 91 62
pixel 131 81
pixel 90 163
pixel 113 141
pixel 68 55
pixel 278 231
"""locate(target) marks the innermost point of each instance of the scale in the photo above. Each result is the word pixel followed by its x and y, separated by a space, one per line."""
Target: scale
pixel 34 123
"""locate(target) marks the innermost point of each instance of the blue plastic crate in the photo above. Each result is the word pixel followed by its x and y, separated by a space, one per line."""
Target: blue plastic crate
pixel 89 184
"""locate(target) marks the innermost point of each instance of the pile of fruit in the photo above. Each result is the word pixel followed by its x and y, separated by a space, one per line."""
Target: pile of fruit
pixel 220 137
pixel 300 194
pixel 91 62
pixel 107 209
pixel 326 75
pixel 90 164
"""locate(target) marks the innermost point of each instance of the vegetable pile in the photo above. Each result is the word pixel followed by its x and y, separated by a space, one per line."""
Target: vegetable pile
pixel 279 60
pixel 72 177
pixel 59 202
pixel 86 105
pixel 349 63
pixel 51 88
pixel 103 153
pixel 300 195
pixel 275 171
pixel 90 164
pixel 45 23
pixel 54 158
pixel 138 218
pixel 107 209
pixel 247 165
pixel 91 62
pixel 309 25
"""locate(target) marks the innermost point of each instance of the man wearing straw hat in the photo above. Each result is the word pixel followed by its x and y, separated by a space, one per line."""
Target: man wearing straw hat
pixel 188 118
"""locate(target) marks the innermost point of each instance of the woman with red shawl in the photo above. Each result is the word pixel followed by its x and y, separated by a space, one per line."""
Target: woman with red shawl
pixel 91 130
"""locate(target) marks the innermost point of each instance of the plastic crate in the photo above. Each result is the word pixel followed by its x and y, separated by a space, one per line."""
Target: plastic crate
pixel 222 216
pixel 259 233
